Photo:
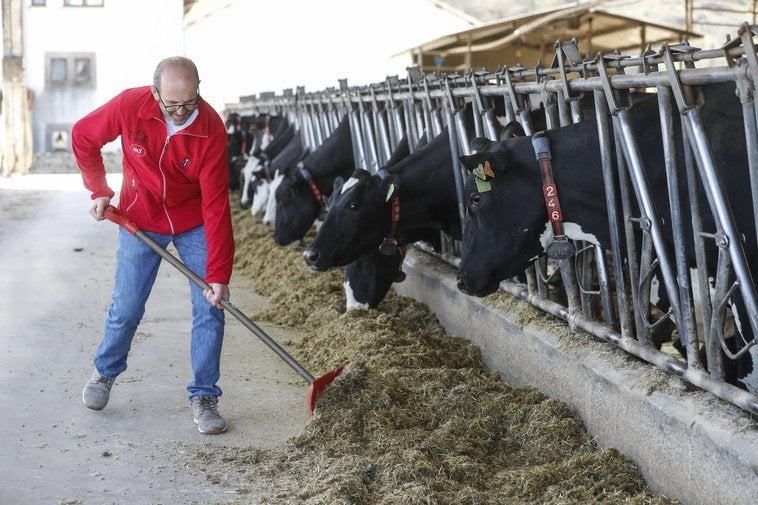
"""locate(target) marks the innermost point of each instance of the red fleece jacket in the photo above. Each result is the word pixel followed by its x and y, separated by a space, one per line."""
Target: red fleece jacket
pixel 171 184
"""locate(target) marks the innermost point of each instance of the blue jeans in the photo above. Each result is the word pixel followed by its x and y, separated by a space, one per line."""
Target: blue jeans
pixel 136 270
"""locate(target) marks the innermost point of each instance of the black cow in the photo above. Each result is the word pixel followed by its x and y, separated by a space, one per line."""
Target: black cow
pixel 409 201
pixel 300 193
pixel 507 225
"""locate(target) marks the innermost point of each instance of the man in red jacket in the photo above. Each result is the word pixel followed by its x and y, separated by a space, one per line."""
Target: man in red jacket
pixel 175 189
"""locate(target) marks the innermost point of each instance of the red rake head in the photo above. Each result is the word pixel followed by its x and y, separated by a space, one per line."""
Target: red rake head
pixel 318 385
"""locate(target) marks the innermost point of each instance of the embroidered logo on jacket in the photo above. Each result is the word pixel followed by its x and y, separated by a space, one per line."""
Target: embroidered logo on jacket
pixel 138 150
pixel 139 139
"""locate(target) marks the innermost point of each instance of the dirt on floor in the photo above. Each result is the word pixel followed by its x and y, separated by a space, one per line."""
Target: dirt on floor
pixel 414 418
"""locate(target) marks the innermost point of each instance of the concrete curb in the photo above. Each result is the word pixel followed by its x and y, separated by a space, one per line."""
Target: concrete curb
pixel 689 445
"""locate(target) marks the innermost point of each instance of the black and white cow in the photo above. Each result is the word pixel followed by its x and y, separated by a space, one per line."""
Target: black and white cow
pixel 369 272
pixel 300 194
pixel 293 152
pixel 409 201
pixel 234 156
pixel 507 224
pixel 241 134
pixel 257 174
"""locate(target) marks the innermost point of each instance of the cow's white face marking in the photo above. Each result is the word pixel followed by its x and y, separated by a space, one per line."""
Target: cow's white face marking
pixel 247 176
pixel 572 231
pixel 349 184
pixel 260 198
pixel 266 139
pixel 350 302
pixel 270 215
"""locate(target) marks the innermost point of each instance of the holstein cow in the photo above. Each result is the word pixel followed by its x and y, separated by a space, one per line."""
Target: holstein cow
pixel 507 224
pixel 241 132
pixel 247 176
pixel 409 201
pixel 300 194
pixel 293 152
pixel 233 148
pixel 257 174
pixel 369 278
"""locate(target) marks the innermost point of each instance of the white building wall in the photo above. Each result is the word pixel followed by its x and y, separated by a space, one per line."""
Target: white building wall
pixel 244 47
pixel 128 38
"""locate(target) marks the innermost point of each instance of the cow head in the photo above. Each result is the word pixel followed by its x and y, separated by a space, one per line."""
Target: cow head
pixel 274 170
pixel 358 219
pixel 249 182
pixel 505 214
pixel 301 193
pixel 261 193
pixel 368 279
pixel 299 200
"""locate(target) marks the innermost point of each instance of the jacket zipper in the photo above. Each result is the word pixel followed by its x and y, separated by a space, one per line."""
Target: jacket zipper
pixel 136 195
pixel 163 176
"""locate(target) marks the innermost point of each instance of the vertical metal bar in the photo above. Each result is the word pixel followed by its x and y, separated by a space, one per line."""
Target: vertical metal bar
pixel 611 196
pixel 687 325
pixel 367 136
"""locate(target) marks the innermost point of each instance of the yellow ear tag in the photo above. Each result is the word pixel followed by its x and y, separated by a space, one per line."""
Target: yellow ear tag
pixel 483 186
pixel 488 169
pixel 390 192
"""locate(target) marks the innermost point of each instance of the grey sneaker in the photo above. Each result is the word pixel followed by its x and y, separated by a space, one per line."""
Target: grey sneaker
pixel 97 391
pixel 207 418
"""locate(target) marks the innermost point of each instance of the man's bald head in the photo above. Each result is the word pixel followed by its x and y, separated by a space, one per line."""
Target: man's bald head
pixel 176 68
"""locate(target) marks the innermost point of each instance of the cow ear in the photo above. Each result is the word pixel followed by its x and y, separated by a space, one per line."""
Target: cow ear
pixel 387 187
pixel 479 144
pixel 511 130
pixel 337 186
pixel 485 164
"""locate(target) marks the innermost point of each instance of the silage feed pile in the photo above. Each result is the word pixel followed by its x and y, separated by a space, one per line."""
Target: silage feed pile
pixel 416 417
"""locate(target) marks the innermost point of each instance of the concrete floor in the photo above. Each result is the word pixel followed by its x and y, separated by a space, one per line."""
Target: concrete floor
pixel 56 264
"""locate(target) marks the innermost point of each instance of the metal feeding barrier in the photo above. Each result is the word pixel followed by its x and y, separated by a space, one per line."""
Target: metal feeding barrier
pixel 605 293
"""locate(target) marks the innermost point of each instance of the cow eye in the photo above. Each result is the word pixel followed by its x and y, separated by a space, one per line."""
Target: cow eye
pixel 474 200
pixel 353 205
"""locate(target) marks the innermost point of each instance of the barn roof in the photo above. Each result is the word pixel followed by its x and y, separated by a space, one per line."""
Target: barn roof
pixel 528 38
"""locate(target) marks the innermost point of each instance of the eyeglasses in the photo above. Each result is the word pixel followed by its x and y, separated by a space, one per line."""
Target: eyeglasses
pixel 188 106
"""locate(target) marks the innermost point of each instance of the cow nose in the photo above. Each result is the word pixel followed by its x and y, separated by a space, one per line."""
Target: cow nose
pixel 463 284
pixel 310 256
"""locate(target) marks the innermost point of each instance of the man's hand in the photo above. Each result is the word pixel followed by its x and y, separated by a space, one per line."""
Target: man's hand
pixel 97 208
pixel 219 292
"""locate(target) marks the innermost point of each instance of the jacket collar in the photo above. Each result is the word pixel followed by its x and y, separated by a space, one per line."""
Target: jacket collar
pixel 149 109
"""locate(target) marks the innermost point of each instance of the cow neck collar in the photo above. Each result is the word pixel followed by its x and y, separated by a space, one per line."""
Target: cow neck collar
pixel 303 171
pixel 561 247
pixel 390 245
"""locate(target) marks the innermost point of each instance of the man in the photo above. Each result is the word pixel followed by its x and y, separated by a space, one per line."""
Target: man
pixel 175 189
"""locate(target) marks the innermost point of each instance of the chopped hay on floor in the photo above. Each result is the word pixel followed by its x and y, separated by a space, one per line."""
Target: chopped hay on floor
pixel 416 417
